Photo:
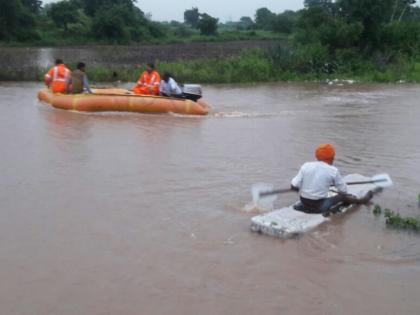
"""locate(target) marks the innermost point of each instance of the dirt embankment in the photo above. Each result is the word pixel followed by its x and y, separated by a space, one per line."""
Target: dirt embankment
pixel 171 52
pixel 126 55
pixel 25 63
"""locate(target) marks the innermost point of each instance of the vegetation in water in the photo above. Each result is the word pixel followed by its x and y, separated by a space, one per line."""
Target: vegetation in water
pixel 394 219
pixel 377 210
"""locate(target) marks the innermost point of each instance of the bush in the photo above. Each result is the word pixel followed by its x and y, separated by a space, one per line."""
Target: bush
pixel 207 24
pixel 403 37
pixel 63 13
pixel 311 58
pixel 182 31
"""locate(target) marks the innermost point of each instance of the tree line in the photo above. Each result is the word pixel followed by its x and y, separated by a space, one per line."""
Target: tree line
pixel 30 20
pixel 118 21
pixel 322 31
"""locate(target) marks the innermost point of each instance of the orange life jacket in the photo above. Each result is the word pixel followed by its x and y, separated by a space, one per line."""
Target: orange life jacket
pixel 148 83
pixel 58 78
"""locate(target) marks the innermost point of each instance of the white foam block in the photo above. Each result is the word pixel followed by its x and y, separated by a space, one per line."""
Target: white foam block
pixel 286 222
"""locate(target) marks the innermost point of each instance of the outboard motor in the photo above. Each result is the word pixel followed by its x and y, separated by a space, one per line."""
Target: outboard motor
pixel 192 92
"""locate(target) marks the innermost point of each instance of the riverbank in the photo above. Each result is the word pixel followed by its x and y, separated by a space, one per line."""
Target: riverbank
pixel 227 65
pixel 252 67
pixel 259 66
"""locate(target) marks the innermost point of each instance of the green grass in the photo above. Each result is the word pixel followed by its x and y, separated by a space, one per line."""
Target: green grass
pixel 252 66
pixel 377 210
pixel 394 219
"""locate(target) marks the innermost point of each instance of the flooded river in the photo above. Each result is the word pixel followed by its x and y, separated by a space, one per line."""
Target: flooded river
pixel 143 214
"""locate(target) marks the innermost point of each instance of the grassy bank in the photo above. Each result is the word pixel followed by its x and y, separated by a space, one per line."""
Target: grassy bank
pixel 258 66
pixel 251 66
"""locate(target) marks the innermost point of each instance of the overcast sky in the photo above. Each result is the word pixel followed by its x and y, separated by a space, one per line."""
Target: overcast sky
pixel 225 10
pixel 166 10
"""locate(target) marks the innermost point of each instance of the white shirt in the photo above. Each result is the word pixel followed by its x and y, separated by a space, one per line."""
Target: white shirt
pixel 315 178
pixel 170 87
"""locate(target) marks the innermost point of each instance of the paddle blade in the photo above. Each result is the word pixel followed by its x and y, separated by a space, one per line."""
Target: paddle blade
pixel 382 180
pixel 266 203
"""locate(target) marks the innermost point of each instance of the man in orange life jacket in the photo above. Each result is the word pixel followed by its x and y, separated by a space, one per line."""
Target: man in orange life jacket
pixel 315 179
pixel 149 81
pixel 58 77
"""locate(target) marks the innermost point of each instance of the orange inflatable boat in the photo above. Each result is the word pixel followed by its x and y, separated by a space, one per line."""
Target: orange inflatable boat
pixel 123 101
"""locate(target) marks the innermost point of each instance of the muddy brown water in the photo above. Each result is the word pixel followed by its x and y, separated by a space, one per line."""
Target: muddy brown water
pixel 142 214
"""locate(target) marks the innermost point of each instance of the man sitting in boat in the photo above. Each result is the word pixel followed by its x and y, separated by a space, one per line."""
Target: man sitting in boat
pixel 315 179
pixel 79 80
pixel 148 83
pixel 58 77
pixel 169 87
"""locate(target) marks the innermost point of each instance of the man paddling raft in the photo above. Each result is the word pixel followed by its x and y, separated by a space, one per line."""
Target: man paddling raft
pixel 314 181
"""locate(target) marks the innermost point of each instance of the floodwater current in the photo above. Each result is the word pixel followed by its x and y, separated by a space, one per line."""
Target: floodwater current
pixel 122 213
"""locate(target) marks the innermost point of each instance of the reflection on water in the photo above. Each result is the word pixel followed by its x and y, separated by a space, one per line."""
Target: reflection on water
pixel 113 213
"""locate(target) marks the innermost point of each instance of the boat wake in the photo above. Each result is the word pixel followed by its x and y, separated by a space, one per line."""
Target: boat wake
pixel 238 114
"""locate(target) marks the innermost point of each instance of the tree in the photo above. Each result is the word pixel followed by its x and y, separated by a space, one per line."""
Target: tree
pixel 327 5
pixel 92 6
pixel 124 22
pixel 246 22
pixel 264 19
pixel 33 6
pixel 414 13
pixel 285 22
pixel 192 17
pixel 402 37
pixel 317 3
pixel 109 24
pixel 63 13
pixel 372 14
pixel 318 25
pixel 401 7
pixel 16 21
pixel 207 24
pixel 386 27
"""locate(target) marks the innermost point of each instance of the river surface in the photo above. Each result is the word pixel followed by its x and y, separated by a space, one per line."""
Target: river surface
pixel 143 214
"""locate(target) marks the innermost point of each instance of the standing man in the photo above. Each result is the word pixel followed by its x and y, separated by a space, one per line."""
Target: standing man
pixel 79 80
pixel 149 81
pixel 58 77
